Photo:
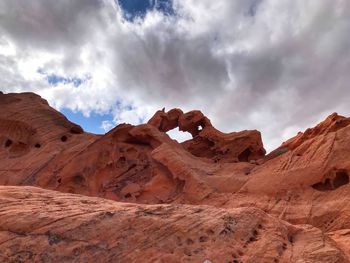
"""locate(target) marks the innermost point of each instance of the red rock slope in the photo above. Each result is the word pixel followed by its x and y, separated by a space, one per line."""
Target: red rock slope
pixel 46 226
pixel 32 135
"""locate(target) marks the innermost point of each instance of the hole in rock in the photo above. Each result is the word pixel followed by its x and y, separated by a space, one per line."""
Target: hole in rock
pixel 128 195
pixel 78 179
pixel 284 246
pixel 189 241
pixel 76 130
pixel 252 239
pixel 326 186
pixel 37 145
pixel 64 138
pixel 178 135
pixel 340 178
pixel 8 143
pixel 203 239
pixel 59 180
pixel 244 156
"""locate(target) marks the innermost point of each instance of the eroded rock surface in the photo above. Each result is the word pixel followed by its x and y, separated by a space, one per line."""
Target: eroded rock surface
pixel 300 191
pixel 209 142
pixel 56 227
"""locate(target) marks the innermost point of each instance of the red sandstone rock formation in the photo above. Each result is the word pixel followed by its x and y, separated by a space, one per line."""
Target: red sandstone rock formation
pixel 32 135
pixel 209 142
pixel 130 163
pixel 47 226
pixel 300 191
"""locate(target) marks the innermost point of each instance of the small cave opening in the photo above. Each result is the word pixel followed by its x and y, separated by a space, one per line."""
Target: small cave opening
pixel 8 143
pixel 244 156
pixel 76 130
pixel 323 186
pixel 64 138
pixel 37 145
pixel 339 178
pixel 78 179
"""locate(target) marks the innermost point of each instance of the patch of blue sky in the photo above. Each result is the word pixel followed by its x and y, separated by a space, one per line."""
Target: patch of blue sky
pixel 138 8
pixel 54 79
pixel 142 120
pixel 89 124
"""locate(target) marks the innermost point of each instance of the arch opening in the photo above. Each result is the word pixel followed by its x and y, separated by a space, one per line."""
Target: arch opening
pixel 178 135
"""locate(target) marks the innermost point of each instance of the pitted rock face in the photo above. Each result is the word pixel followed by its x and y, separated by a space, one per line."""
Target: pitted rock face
pixel 32 135
pixel 39 225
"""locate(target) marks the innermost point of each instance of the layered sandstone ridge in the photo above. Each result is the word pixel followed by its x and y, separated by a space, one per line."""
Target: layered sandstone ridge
pixel 48 226
pixel 301 187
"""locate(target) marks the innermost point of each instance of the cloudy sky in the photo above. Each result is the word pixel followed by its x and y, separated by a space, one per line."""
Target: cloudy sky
pixel 278 66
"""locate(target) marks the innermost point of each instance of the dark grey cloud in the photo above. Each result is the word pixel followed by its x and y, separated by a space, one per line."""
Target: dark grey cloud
pixel 48 24
pixel 275 65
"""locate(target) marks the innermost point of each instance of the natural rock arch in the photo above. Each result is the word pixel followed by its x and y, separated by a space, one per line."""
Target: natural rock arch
pixel 206 140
